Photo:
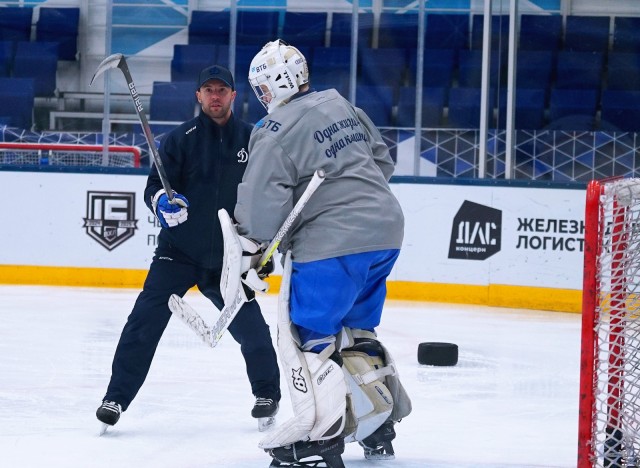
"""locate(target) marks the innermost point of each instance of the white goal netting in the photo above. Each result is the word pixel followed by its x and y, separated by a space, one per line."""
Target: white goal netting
pixel 609 431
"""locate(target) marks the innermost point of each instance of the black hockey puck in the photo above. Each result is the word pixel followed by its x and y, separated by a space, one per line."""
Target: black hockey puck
pixel 438 354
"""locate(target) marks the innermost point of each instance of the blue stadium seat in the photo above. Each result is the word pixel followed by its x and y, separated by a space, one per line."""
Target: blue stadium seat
pixel 15 23
pixel 535 69
pixel 305 29
pixel 172 101
pixel 383 67
pixel 255 110
pixel 470 68
pixel 17 96
pixel 328 82
pixel 37 60
pixel 377 102
pixel 567 103
pixel 341 29
pixel 398 30
pixel 6 57
pixel 464 107
pixel 256 27
pixel 579 70
pixel 623 71
pixel 529 111
pixel 621 109
pixel 223 56
pixel 586 33
pixel 189 59
pixel 433 102
pixel 439 66
pixel 499 32
pixel 59 25
pixel 209 27
pixel 626 34
pixel 447 31
pixel 330 64
pixel 540 32
pixel 244 56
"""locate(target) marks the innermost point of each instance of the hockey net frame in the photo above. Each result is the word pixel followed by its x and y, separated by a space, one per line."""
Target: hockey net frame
pixel 60 154
pixel 609 406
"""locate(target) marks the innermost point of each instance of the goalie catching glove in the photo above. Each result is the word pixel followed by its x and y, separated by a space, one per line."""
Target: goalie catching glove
pixel 170 214
pixel 241 272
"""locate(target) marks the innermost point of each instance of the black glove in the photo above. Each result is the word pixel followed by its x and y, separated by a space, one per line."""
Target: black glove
pixel 267 269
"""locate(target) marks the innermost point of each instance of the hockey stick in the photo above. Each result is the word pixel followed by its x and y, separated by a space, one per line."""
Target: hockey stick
pixel 211 335
pixel 118 61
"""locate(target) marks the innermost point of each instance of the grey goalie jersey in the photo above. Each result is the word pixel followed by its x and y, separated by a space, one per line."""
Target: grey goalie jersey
pixel 352 211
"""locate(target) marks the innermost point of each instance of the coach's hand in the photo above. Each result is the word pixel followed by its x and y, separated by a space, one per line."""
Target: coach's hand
pixel 170 214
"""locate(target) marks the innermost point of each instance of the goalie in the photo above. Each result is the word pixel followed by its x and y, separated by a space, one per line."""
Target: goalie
pixel 343 382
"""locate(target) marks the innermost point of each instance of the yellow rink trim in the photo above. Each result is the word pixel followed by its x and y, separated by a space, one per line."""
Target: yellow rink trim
pixel 498 295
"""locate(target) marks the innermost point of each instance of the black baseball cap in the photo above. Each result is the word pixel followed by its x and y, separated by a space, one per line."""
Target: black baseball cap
pixel 216 72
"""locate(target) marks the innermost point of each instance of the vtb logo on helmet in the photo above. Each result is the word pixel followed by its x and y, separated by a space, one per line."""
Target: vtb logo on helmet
pixel 276 73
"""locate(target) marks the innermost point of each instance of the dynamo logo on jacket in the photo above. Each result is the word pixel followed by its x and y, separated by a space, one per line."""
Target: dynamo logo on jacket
pixel 243 156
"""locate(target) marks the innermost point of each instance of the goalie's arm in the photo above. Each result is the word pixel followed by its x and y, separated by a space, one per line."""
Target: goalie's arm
pixel 245 259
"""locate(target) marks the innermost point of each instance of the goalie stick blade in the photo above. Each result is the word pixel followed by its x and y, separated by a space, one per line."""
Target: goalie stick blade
pixel 210 335
pixel 191 318
pixel 112 61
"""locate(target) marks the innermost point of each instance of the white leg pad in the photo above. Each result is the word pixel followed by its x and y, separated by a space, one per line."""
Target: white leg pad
pixel 330 394
pixel 316 383
pixel 401 400
pixel 370 399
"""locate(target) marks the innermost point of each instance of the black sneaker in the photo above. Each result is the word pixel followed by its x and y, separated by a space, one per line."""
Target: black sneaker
pixel 109 412
pixel 264 408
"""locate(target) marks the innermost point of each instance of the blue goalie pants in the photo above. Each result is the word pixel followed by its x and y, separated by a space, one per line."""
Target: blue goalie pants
pixel 347 291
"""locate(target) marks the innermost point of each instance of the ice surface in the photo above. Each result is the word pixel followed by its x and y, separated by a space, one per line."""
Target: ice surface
pixel 512 400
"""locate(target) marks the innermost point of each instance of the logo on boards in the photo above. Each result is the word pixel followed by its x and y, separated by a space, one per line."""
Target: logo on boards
pixel 476 232
pixel 110 217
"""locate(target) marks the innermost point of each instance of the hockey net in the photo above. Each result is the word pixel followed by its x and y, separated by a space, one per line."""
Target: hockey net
pixel 609 413
pixel 55 154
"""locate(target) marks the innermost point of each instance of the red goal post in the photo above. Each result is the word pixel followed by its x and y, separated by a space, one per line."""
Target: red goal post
pixel 60 154
pixel 609 406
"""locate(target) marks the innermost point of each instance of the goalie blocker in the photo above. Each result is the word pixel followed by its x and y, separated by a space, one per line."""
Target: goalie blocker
pixel 350 390
pixel 241 259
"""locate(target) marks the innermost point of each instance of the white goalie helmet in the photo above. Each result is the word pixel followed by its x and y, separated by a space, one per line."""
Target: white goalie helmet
pixel 276 73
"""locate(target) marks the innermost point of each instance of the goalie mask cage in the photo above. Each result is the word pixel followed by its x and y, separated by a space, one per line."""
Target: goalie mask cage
pixel 57 154
pixel 609 410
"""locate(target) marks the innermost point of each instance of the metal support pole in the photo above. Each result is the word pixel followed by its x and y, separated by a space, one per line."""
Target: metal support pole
pixel 419 80
pixel 353 68
pixel 106 122
pixel 233 24
pixel 511 91
pixel 484 96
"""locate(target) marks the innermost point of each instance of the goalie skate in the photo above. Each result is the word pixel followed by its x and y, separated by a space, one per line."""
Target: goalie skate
pixel 378 445
pixel 321 454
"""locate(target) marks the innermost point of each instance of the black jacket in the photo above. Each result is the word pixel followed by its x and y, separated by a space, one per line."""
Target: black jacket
pixel 205 163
